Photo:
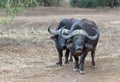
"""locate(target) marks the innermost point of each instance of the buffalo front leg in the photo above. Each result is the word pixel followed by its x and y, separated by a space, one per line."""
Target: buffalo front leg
pixel 76 63
pixel 66 56
pixel 82 60
pixel 60 57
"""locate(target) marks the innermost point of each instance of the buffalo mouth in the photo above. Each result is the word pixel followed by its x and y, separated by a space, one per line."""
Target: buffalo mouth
pixel 78 52
pixel 63 47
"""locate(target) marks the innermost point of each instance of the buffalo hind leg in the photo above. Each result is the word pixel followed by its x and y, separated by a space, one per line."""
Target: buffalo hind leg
pixel 92 56
pixel 71 55
pixel 71 59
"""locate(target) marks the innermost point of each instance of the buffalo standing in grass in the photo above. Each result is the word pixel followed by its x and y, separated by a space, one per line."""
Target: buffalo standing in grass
pixel 59 41
pixel 83 37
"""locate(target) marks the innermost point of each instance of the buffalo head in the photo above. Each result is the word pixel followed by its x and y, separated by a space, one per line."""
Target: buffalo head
pixel 77 38
pixel 59 41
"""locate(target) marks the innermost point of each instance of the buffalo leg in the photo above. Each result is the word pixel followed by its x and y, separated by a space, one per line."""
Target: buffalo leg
pixel 71 59
pixel 60 57
pixel 76 63
pixel 66 56
pixel 82 60
pixel 92 56
pixel 71 54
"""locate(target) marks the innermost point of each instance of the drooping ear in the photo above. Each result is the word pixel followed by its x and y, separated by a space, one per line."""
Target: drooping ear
pixel 69 43
pixel 54 37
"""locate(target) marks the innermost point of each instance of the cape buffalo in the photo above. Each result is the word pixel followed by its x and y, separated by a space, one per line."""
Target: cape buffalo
pixel 59 41
pixel 83 37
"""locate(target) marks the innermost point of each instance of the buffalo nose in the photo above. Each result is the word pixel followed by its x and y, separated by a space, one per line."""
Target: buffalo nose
pixel 79 48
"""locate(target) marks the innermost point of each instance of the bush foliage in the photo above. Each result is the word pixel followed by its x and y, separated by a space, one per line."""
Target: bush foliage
pixel 10 7
pixel 30 3
pixel 94 3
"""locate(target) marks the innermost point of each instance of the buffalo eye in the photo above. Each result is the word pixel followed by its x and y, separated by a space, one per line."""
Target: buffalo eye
pixel 75 38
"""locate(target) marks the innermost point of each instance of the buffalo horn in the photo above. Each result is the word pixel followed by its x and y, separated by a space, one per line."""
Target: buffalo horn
pixel 77 32
pixel 52 31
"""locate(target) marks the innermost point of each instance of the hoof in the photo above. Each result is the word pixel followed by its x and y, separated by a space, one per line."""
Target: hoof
pixel 75 80
pixel 58 64
pixel 70 60
pixel 82 72
pixel 75 69
pixel 93 67
pixel 66 62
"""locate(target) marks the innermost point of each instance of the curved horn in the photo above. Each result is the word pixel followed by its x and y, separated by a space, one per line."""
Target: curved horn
pixel 81 32
pixel 64 31
pixel 52 31
pixel 58 31
pixel 84 33
pixel 76 32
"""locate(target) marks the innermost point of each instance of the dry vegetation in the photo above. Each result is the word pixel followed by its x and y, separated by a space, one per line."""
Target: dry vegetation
pixel 28 55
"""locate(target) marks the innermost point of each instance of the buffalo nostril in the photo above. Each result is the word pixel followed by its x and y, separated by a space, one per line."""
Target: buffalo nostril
pixel 79 49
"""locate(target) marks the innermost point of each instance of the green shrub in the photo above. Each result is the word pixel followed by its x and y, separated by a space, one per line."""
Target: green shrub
pixel 50 2
pixel 31 3
pixel 94 3
pixel 2 3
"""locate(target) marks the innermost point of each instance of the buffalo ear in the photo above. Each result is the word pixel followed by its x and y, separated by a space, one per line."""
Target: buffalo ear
pixel 54 37
pixel 69 41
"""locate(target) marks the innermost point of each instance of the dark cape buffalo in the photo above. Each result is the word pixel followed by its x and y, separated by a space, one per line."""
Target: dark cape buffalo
pixel 59 41
pixel 83 37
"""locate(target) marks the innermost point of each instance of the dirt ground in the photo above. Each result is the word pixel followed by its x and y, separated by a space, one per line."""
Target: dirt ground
pixel 27 54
